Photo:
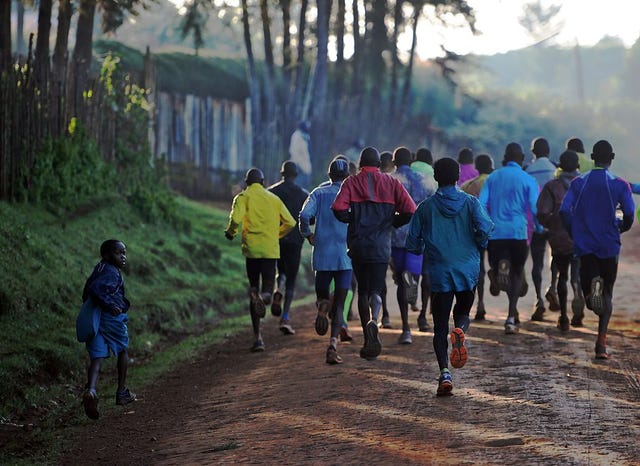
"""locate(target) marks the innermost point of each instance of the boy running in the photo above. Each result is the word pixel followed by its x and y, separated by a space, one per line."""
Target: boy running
pixel 105 286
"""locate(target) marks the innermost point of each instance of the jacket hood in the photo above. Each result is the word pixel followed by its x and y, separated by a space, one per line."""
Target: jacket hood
pixel 449 200
pixel 567 177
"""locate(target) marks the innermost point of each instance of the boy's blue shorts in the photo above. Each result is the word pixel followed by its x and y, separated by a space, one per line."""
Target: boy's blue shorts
pixel 112 335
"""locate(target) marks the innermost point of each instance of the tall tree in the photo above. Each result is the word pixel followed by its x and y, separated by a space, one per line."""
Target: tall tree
pixel 84 46
pixel 60 51
pixel 5 34
pixel 42 40
pixel 319 135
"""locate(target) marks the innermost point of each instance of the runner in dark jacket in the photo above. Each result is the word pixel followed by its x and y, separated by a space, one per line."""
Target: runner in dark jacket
pixel 372 203
pixel 293 197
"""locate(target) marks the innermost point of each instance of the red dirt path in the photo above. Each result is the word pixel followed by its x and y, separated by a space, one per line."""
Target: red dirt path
pixel 534 398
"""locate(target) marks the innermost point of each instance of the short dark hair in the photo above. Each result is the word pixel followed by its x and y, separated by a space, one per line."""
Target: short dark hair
pixel 569 161
pixel 540 147
pixel 602 152
pixel 369 157
pixel 424 155
pixel 289 169
pixel 513 153
pixel 465 156
pixel 254 175
pixel 575 144
pixel 402 156
pixel 107 246
pixel 338 169
pixel 446 171
pixel 484 163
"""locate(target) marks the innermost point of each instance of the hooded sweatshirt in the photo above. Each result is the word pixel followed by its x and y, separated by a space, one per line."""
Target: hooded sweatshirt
pixel 450 227
pixel 548 204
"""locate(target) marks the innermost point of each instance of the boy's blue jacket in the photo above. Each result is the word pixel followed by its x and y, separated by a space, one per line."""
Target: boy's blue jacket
pixel 588 211
pixel 330 235
pixel 106 286
pixel 451 228
pixel 507 195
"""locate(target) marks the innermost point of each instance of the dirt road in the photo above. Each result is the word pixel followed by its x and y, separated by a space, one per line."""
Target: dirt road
pixel 534 398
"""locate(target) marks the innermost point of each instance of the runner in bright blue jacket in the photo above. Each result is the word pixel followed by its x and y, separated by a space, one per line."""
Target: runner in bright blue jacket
pixel 589 212
pixel 508 195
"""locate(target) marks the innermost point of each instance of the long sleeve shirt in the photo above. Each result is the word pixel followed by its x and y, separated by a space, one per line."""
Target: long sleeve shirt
pixel 507 195
pixel 264 218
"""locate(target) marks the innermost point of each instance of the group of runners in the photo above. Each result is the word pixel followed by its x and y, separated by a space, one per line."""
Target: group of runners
pixel 431 224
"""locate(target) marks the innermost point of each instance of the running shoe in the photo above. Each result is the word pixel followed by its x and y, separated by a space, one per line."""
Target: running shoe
pixel 480 315
pixel 257 304
pixel 504 268
pixel 510 328
pixel 286 328
pixel 90 403
pixel 577 306
pixel 601 352
pixel 445 384
pixel 322 321
pixel 458 356
pixel 332 356
pixel 411 286
pixel 552 296
pixel 386 322
pixel 258 346
pixel 423 325
pixel 345 335
pixel 405 338
pixel 276 305
pixel 372 344
pixel 596 298
pixel 563 323
pixel 125 397
pixel 538 313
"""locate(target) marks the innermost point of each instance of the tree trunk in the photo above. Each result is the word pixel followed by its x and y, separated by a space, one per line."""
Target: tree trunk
pixel 299 69
pixel 398 20
pixel 254 93
pixel 5 35
pixel 357 49
pixel 404 101
pixel 339 68
pixel 42 42
pixel 270 111
pixel 62 39
pixel 20 48
pixel 287 57
pixel 319 133
pixel 83 48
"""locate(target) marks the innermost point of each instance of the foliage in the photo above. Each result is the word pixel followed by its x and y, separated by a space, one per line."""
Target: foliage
pixel 185 74
pixel 175 280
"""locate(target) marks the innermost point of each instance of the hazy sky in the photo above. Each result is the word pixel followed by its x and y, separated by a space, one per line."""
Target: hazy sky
pixel 585 21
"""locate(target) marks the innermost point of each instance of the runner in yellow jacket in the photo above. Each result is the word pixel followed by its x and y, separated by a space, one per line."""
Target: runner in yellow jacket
pixel 265 219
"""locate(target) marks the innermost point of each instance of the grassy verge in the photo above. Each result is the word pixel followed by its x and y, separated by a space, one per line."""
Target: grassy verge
pixel 186 286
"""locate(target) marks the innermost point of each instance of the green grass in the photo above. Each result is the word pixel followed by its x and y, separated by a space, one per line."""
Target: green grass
pixel 187 288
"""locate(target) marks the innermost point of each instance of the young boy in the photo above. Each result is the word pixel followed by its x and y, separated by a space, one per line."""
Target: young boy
pixel 588 211
pixel 105 287
pixel 265 220
pixel 451 228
